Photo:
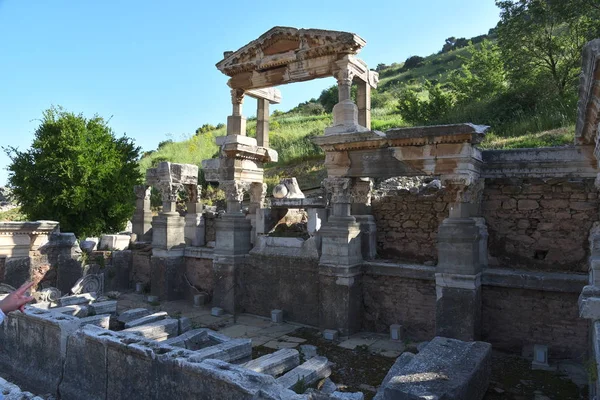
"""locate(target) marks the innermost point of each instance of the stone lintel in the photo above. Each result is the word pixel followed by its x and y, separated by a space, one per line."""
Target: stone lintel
pixel 272 95
pixel 458 281
pixel 349 271
pixel 199 252
pixel 311 202
pixel 548 162
pixel 171 253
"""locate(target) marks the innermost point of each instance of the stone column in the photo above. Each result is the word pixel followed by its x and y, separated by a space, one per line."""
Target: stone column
pixel 142 216
pixel 339 266
pixel 194 219
pixel 363 100
pixel 258 194
pixel 262 122
pixel 361 210
pixel 233 242
pixel 458 272
pixel 168 244
pixel 236 123
pixel 345 112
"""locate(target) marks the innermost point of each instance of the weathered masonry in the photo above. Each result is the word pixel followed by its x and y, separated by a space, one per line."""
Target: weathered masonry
pixel 495 247
pixel 485 245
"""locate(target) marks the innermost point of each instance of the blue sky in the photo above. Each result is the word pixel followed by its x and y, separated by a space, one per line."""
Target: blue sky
pixel 149 65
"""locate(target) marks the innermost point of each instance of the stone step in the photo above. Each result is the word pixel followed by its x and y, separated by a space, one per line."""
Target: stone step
pixel 191 340
pixel 311 371
pixel 75 310
pixel 83 298
pixel 146 319
pixel 233 350
pixel 133 314
pixel 275 364
pixel 104 307
pixel 157 330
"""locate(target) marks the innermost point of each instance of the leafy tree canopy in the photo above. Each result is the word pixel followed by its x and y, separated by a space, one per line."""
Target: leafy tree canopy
pixel 76 172
pixel 542 40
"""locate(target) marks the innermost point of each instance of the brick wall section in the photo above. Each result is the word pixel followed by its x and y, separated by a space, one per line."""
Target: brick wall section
pixel 199 271
pixel 286 283
pixel 514 318
pixel 393 300
pixel 141 267
pixel 407 224
pixel 539 224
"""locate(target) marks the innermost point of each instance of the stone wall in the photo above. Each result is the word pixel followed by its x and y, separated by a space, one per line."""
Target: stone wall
pixel 287 283
pixel 392 299
pixel 140 266
pixel 199 273
pixel 407 223
pixel 540 223
pixel 516 318
pixel 210 219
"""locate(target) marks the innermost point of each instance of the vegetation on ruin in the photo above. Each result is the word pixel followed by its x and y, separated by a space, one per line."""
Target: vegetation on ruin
pixel 76 172
pixel 520 78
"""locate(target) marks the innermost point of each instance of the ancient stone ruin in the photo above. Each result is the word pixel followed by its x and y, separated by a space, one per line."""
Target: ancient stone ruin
pixel 415 230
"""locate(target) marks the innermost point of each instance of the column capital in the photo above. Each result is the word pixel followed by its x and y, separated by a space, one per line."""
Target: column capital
pixel 142 192
pixel 338 189
pixel 361 191
pixel 237 96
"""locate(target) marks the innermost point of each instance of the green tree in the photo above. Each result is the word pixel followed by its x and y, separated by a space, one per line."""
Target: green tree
pixel 76 172
pixel 542 40
pixel 481 76
pixel 418 108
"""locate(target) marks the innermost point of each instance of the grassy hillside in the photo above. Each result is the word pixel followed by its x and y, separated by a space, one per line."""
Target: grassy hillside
pixel 291 132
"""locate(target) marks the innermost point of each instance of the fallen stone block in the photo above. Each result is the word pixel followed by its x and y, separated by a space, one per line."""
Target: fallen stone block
pixel 275 364
pixel 191 340
pixel 104 307
pixel 396 369
pixel 346 396
pixel 103 321
pixel 328 386
pixel 200 299
pixel 75 310
pixel 308 351
pixel 232 350
pixel 157 330
pixel 147 319
pixel 185 324
pixel 330 334
pixel 84 298
pixel 10 391
pixel 217 337
pixel 445 369
pixel 311 371
pixel 217 312
pixel 133 314
pixel 114 242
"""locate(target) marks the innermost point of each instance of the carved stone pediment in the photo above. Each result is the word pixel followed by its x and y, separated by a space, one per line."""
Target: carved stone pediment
pixel 283 45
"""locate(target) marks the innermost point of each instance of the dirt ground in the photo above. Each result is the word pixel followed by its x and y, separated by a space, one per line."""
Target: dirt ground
pixel 512 377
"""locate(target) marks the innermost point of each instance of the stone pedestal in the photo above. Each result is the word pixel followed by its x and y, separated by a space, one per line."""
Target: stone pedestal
pixel 341 242
pixel 458 280
pixel 233 234
pixel 168 231
pixel 339 265
pixel 340 304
